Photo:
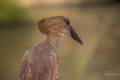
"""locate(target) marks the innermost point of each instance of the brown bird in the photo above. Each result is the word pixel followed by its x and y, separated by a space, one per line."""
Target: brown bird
pixel 40 61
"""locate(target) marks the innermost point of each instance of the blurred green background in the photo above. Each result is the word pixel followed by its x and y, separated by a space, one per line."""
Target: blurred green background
pixel 96 21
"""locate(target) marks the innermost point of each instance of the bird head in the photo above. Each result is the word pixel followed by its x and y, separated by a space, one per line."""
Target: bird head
pixel 58 25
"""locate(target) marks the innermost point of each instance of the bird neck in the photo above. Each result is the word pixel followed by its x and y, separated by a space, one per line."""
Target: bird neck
pixel 52 42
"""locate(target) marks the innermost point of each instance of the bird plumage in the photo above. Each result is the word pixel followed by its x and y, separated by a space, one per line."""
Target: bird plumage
pixel 40 62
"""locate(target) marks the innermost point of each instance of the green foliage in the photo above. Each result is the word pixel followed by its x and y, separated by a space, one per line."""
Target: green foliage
pixel 12 15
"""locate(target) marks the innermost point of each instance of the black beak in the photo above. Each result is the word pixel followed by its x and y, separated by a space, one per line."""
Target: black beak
pixel 74 35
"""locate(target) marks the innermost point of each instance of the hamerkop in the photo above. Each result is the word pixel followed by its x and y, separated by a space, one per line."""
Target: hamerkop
pixel 40 61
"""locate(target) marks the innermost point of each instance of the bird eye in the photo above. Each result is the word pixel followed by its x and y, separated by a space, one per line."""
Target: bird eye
pixel 68 22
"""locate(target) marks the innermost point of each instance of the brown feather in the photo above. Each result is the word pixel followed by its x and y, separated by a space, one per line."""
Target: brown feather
pixel 40 61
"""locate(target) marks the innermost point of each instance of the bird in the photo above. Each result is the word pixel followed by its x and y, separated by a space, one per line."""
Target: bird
pixel 40 62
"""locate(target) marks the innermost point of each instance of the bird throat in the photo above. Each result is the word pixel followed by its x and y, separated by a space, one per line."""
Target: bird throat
pixel 52 42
